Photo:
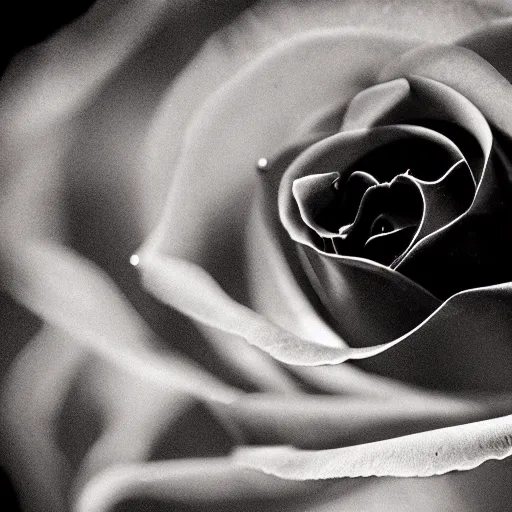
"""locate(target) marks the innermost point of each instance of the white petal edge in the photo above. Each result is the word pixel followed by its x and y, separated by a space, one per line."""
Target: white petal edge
pixel 192 291
pixel 435 452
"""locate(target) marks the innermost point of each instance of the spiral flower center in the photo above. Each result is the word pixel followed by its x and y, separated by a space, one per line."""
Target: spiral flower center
pixel 380 205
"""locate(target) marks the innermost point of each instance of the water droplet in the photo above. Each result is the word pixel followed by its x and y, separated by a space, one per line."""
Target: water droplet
pixel 134 260
pixel 262 164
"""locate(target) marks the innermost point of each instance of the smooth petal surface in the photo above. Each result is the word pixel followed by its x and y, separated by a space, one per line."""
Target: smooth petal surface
pixel 493 44
pixel 38 91
pixel 464 71
pixel 30 401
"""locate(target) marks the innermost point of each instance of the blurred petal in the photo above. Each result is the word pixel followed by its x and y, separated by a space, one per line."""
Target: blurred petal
pixel 71 293
pixel 32 393
pixel 135 413
pixel 123 345
pixel 420 495
pixel 193 481
pixel 39 90
pixel 316 421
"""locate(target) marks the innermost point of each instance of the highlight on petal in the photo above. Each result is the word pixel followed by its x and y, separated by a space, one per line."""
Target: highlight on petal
pixel 277 293
pixel 435 452
pixel 169 279
pixel 73 294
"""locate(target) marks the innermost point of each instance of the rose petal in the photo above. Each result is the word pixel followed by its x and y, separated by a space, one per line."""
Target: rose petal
pixel 38 89
pixel 201 158
pixel 420 495
pixel 339 152
pixel 225 173
pixel 268 266
pixel 465 72
pixel 74 295
pixel 436 452
pixel 30 398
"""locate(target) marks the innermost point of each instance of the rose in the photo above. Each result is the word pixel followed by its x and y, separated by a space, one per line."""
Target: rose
pixel 443 209
pixel 440 318
pixel 110 332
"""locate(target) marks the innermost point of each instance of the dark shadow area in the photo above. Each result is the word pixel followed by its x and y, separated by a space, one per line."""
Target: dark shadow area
pixel 79 424
pixel 197 433
pixel 8 498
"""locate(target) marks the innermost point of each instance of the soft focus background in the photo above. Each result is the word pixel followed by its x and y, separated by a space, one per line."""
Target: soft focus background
pixel 25 25
pixel 80 151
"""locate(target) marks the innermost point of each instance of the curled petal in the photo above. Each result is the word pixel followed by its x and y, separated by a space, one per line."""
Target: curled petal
pixel 251 94
pixel 425 102
pixel 339 152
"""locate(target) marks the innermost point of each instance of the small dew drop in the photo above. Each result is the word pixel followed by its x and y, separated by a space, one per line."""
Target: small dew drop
pixel 134 260
pixel 262 164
